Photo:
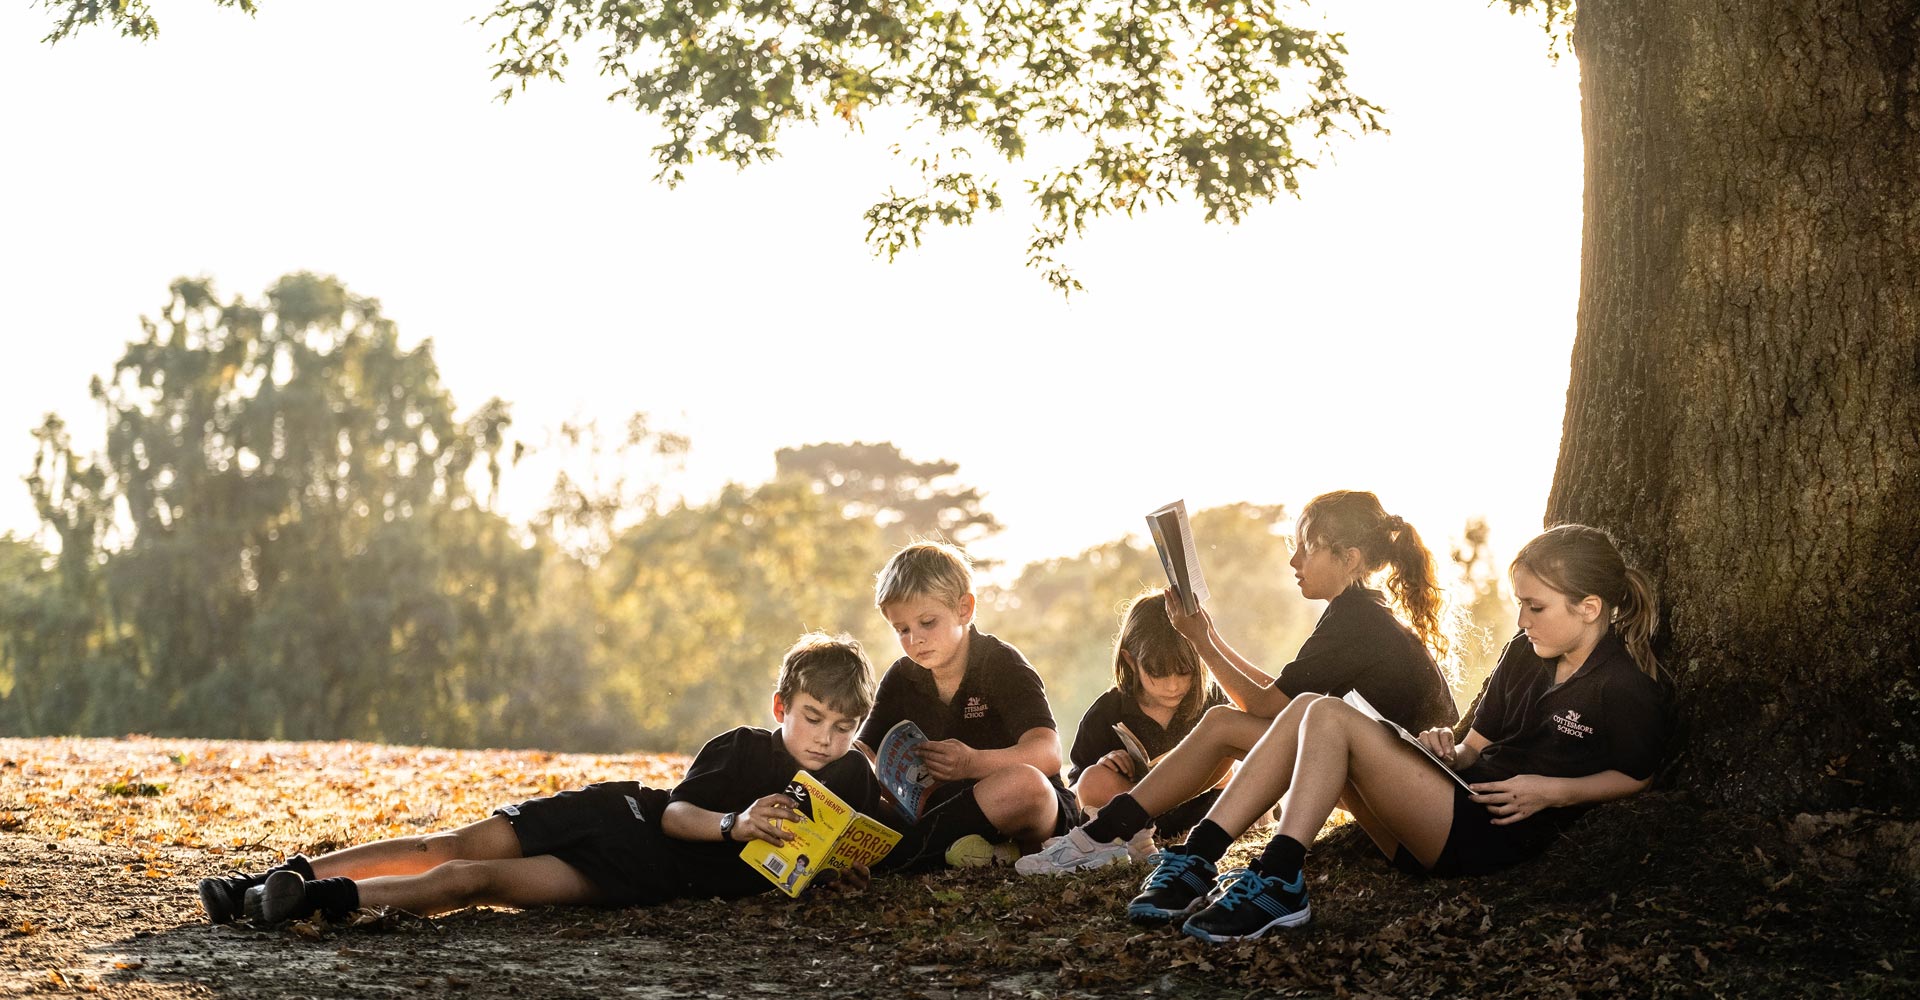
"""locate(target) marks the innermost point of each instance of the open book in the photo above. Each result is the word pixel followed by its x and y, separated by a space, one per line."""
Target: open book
pixel 1173 537
pixel 1366 708
pixel 1135 749
pixel 897 762
pixel 829 834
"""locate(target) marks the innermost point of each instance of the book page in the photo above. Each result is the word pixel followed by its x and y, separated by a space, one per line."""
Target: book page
pixel 1173 539
pixel 1359 701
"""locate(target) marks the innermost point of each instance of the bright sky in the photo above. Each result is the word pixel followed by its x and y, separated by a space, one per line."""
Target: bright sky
pixel 1405 327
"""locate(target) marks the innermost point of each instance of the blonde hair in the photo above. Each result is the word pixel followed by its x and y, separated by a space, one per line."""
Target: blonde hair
pixel 1579 562
pixel 1352 519
pixel 932 569
pixel 1147 635
pixel 832 668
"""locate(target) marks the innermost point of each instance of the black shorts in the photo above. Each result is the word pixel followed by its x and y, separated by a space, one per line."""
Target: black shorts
pixel 1475 846
pixel 604 832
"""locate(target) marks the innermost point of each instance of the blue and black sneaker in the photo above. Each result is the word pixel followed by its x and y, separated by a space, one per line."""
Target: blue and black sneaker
pixel 1249 905
pixel 1177 886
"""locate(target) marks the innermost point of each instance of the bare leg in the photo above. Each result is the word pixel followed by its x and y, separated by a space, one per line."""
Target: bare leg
pixel 520 882
pixel 1098 785
pixel 491 839
pixel 1020 802
pixel 1223 734
pixel 1269 767
pixel 1410 802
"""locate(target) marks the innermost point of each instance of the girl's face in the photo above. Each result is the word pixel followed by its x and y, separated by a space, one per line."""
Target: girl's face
pixel 1159 692
pixel 1555 624
pixel 1322 571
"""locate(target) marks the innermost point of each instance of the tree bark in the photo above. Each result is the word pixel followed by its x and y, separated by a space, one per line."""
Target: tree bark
pixel 1744 410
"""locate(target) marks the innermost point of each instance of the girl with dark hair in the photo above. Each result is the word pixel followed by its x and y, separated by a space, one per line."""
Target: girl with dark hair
pixel 1344 539
pixel 1574 714
pixel 1160 689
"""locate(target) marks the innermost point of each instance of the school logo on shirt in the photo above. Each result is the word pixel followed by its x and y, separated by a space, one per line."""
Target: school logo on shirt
pixel 976 708
pixel 1570 724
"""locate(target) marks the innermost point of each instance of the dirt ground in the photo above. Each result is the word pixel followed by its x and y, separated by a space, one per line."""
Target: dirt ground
pixel 101 842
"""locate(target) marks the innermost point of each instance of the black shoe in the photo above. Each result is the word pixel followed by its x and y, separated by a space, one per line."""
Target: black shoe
pixel 280 899
pixel 1177 886
pixel 1251 904
pixel 225 896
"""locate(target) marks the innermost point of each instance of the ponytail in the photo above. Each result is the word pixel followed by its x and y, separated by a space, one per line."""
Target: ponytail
pixel 1636 617
pixel 1415 586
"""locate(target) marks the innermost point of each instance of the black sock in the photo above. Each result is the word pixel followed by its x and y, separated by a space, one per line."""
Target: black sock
pixel 1282 858
pixel 336 897
pixel 1208 840
pixel 957 817
pixel 1119 819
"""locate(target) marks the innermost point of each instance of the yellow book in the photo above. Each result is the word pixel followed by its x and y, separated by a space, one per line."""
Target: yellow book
pixel 829 834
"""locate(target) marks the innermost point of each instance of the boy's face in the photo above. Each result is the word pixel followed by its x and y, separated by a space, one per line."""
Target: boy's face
pixel 932 632
pixel 812 731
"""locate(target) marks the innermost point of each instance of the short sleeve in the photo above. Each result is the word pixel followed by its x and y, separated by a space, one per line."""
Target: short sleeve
pixel 1331 659
pixel 1490 718
pixel 717 775
pixel 1638 717
pixel 889 706
pixel 1095 738
pixel 1023 697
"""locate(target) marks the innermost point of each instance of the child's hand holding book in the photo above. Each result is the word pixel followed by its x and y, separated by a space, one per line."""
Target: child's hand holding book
pixel 766 820
pixel 948 760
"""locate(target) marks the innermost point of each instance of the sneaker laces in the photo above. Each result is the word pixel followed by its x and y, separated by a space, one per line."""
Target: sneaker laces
pixel 1239 886
pixel 1167 866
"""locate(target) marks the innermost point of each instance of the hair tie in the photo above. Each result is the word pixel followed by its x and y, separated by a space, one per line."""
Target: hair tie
pixel 1396 523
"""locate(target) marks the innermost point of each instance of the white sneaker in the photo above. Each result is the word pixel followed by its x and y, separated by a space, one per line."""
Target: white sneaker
pixel 1140 847
pixel 1074 852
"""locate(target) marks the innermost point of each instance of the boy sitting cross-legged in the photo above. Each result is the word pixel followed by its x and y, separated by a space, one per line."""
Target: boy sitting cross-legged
pixel 615 843
pixel 991 737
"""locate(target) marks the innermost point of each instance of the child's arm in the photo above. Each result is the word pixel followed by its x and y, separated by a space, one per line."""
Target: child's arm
pixel 1522 795
pixel 952 760
pixel 1251 688
pixel 686 821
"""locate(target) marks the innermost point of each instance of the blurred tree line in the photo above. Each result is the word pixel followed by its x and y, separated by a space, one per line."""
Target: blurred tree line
pixel 289 533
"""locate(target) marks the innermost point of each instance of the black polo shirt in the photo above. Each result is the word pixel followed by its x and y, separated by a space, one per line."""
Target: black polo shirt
pixel 1000 696
pixel 735 770
pixel 1359 645
pixel 1607 717
pixel 1096 738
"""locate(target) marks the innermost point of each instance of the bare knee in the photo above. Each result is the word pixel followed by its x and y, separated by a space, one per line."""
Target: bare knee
pixel 463 882
pixel 1098 785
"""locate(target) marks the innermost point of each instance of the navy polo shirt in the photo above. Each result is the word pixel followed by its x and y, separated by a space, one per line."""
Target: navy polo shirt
pixel 1096 738
pixel 1000 697
pixel 1609 716
pixel 1358 645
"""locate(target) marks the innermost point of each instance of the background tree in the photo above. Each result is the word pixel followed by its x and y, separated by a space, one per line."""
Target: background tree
pixel 280 528
pixel 908 500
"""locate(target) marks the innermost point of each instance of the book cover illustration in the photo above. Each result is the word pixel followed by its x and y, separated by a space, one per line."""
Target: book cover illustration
pixel 829 835
pixel 897 762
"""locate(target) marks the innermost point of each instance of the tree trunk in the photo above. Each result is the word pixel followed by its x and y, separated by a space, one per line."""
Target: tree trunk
pixel 1744 411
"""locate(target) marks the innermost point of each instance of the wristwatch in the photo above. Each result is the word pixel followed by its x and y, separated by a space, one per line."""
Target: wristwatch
pixel 726 826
